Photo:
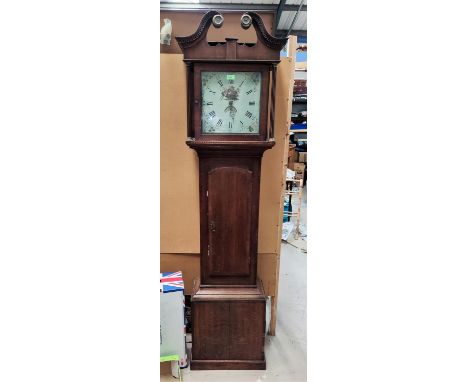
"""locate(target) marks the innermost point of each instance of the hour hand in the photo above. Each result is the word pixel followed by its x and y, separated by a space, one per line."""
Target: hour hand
pixel 231 109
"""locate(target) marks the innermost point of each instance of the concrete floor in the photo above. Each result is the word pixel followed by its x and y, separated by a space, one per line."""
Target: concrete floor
pixel 286 352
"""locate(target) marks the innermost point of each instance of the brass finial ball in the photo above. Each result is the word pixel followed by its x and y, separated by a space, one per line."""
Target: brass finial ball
pixel 218 21
pixel 246 21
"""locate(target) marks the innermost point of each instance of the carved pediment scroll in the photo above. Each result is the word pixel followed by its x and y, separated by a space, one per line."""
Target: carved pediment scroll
pixel 196 47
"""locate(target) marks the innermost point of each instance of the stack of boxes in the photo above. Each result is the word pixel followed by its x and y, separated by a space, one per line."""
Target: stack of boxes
pixel 299 168
pixel 297 162
pixel 172 321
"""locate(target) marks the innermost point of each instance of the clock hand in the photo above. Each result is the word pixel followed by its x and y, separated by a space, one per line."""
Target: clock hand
pixel 231 109
pixel 238 88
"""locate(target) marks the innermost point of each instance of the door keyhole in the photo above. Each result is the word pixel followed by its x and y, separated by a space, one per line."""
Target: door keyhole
pixel 212 226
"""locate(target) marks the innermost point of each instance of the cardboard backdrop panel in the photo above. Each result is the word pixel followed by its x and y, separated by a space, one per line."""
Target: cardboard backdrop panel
pixel 179 214
pixel 180 220
pixel 274 166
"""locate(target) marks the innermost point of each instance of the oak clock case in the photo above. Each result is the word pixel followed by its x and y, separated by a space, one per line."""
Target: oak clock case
pixel 230 123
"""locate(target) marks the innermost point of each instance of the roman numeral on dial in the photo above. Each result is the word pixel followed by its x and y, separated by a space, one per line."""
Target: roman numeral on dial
pixel 248 114
pixel 220 122
pixel 250 91
pixel 220 83
pixel 252 103
pixel 211 113
pixel 230 125
pixel 211 103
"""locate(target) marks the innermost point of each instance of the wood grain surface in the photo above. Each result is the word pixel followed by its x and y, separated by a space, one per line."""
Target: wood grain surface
pixel 228 329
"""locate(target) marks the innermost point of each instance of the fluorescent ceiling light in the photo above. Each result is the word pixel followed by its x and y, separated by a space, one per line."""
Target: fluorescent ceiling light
pixel 181 1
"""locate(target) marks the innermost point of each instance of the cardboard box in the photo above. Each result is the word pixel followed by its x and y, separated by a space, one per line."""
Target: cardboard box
pixel 293 156
pixel 291 150
pixel 296 156
pixel 172 319
pixel 291 163
pixel 299 168
pixel 303 157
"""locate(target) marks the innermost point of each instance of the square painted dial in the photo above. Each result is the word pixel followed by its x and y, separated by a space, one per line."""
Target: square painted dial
pixel 230 102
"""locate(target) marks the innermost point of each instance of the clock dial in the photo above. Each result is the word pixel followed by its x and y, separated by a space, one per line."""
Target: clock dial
pixel 231 102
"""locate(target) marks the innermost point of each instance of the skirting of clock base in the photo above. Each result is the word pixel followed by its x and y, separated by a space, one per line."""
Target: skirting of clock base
pixel 227 365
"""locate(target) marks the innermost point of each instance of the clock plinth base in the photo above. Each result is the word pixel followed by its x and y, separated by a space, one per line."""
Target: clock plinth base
pixel 227 365
pixel 228 328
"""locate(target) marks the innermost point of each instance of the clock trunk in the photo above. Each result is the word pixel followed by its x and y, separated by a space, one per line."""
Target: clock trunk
pixel 229 198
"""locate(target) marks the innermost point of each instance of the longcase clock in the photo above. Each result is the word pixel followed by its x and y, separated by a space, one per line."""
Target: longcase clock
pixel 230 106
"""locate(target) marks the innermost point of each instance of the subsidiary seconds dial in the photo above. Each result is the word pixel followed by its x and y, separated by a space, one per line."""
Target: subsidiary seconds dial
pixel 230 102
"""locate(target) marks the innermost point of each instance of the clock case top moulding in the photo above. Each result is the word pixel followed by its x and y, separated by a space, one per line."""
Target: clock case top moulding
pixel 196 48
